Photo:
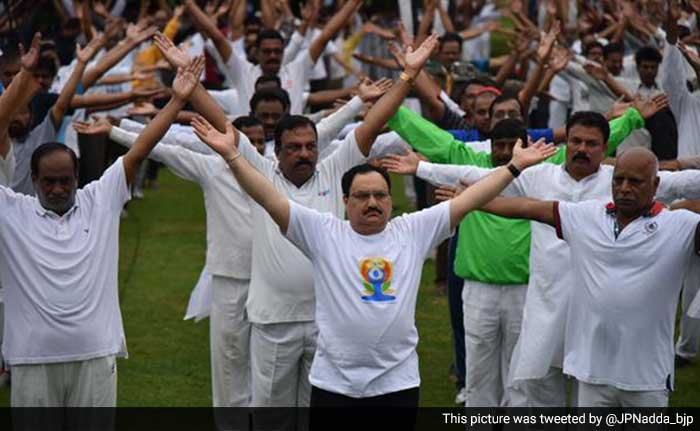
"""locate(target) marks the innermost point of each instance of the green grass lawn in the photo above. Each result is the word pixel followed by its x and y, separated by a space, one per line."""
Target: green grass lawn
pixel 162 251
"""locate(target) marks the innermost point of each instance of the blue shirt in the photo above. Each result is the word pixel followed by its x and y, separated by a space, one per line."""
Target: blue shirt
pixel 471 135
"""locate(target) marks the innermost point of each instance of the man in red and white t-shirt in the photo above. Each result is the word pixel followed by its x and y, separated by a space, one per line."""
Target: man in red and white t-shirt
pixel 629 259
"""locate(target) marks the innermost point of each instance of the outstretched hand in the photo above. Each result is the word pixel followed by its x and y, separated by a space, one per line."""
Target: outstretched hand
pixel 187 78
pixel 416 59
pixel 101 126
pixel 370 91
pixel 84 55
pixel 226 144
pixel 177 57
pixel 649 107
pixel 404 165
pixel 30 58
pixel 535 153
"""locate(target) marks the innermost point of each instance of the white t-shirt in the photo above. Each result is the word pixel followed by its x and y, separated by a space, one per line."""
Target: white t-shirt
pixel 624 293
pixel 59 274
pixel 294 77
pixel 41 134
pixel 366 290
pixel 281 286
pixel 7 168
pixel 229 228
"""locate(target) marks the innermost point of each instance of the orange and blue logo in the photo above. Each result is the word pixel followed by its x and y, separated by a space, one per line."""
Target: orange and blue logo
pixel 376 275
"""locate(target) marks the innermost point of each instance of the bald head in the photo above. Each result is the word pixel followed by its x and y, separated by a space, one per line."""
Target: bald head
pixel 635 182
pixel 639 158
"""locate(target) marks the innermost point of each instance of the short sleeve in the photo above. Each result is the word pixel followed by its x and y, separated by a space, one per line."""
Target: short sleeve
pixel 346 156
pixel 569 216
pixel 111 190
pixel 307 228
pixel 430 226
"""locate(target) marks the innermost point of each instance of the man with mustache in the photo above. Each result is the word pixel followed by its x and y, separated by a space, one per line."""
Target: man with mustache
pixel 281 298
pixel 536 367
pixel 366 271
pixel 269 52
pixel 629 259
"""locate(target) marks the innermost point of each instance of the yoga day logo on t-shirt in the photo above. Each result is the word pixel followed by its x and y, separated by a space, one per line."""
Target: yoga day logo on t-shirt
pixel 376 274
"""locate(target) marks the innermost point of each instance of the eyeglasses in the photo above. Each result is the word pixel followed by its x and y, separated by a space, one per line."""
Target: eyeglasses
pixel 364 196
pixel 512 114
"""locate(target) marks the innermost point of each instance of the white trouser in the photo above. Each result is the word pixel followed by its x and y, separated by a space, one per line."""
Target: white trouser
pixel 608 396
pixel 689 338
pixel 548 391
pixel 281 356
pixel 492 319
pixel 89 383
pixel 229 332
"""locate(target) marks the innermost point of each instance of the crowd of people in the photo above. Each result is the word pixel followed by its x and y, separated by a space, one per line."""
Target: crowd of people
pixel 557 181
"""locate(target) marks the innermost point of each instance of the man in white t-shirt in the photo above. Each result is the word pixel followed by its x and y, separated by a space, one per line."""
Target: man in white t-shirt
pixel 58 264
pixel 281 298
pixel 366 273
pixel 629 260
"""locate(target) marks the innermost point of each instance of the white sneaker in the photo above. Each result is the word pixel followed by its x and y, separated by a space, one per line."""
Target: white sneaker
pixel 461 397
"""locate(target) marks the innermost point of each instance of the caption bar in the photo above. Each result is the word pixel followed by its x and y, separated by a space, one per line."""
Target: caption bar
pixel 597 420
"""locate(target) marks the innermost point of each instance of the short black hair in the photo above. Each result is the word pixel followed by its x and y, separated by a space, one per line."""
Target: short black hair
pixel 589 119
pixel 647 53
pixel 509 128
pixel 612 48
pixel 349 176
pixel 270 94
pixel 291 122
pixel 589 46
pixel 268 78
pixel 252 20
pixel 246 121
pixel 505 97
pixel 48 148
pixel 450 37
pixel 268 34
pixel 48 64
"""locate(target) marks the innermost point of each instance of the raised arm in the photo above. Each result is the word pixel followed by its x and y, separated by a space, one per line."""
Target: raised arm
pixel 135 35
pixel 250 179
pixel 21 90
pixel 488 188
pixel 208 27
pixel 202 101
pixel 332 27
pixel 184 84
pixel 387 105
pixel 66 96
pixel 524 208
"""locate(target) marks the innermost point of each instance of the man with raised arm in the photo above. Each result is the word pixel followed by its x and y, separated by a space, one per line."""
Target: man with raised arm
pixel 58 265
pixel 628 259
pixel 366 271
pixel 536 367
pixel 281 298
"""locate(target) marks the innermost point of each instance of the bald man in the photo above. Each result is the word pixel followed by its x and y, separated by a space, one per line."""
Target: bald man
pixel 629 258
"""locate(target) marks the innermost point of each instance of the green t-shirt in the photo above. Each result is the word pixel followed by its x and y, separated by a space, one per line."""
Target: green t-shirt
pixel 490 249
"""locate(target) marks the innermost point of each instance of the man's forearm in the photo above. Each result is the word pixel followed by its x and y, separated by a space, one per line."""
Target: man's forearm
pixel 261 190
pixel 100 99
pixel 150 136
pixel 379 115
pixel 21 90
pixel 208 27
pixel 111 58
pixel 479 194
pixel 64 99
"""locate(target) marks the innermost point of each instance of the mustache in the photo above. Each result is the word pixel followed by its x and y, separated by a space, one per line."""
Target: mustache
pixel 581 156
pixel 375 210
pixel 304 162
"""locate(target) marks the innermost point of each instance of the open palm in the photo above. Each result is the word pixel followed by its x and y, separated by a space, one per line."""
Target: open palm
pixel 404 165
pixel 416 59
pixel 30 58
pixel 533 154
pixel 226 144
pixel 175 56
pixel 187 78
pixel 101 126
